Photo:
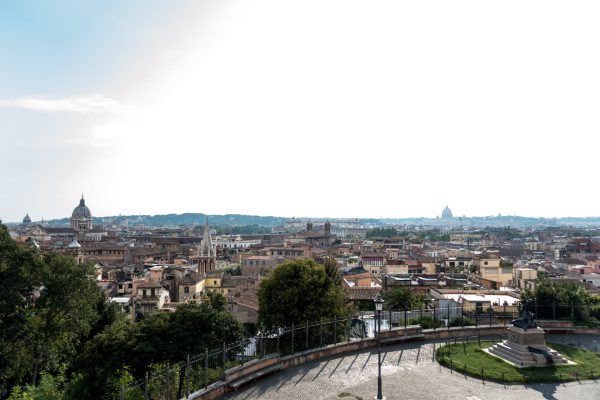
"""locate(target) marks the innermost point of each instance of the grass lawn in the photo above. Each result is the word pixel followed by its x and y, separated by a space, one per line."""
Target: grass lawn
pixel 470 359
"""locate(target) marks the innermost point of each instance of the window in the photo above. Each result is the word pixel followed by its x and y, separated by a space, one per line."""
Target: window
pixel 485 263
pixel 215 283
pixel 129 286
pixel 186 289
pixel 144 293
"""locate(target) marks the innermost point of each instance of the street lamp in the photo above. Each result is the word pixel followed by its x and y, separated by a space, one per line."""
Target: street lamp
pixel 379 307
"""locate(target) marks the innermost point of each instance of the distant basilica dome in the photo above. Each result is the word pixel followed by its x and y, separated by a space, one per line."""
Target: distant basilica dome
pixel 81 217
pixel 447 213
pixel 26 220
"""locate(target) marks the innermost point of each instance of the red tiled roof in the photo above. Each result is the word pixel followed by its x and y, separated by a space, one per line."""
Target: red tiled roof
pixel 363 294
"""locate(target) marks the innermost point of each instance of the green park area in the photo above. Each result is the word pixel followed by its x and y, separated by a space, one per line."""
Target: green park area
pixel 469 358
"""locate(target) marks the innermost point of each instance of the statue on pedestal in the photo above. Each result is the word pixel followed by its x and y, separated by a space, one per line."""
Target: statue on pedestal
pixel 526 317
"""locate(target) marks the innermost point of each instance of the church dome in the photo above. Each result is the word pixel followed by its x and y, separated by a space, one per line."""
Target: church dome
pixel 74 245
pixel 81 211
pixel 26 220
pixel 447 213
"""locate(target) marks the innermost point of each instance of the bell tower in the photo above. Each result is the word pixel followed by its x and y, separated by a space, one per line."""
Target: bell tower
pixel 206 252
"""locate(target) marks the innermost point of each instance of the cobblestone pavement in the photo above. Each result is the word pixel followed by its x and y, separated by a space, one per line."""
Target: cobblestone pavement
pixel 408 372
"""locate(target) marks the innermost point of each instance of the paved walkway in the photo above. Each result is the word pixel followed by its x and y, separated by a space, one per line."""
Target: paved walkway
pixel 408 372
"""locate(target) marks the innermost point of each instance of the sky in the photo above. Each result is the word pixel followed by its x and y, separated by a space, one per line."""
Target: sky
pixel 299 108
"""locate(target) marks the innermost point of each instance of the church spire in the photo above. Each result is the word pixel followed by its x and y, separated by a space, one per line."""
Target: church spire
pixel 206 247
pixel 206 253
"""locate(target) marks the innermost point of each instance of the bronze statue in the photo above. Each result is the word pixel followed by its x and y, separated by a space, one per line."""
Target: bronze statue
pixel 526 317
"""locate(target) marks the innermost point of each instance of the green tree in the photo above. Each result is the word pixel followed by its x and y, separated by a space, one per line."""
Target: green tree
pixel 195 327
pixel 333 272
pixel 50 387
pixel 119 351
pixel 397 298
pixel 130 349
pixel 113 351
pixel 417 300
pixel 560 298
pixel 65 311
pixel 17 284
pixel 297 291
pixel 382 233
pixel 49 306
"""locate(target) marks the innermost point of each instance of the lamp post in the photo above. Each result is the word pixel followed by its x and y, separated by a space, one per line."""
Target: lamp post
pixel 379 307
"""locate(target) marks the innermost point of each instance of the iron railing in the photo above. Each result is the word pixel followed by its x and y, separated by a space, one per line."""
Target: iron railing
pixel 177 381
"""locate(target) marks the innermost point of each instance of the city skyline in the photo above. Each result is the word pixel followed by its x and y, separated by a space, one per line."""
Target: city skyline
pixel 333 109
pixel 455 218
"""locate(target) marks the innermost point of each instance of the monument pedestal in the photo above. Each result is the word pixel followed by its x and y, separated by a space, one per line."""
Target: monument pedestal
pixel 526 348
pixel 527 337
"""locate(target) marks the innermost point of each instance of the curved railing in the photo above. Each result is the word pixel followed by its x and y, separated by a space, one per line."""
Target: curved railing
pixel 205 371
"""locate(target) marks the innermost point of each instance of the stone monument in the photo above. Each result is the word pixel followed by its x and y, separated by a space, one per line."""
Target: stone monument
pixel 526 344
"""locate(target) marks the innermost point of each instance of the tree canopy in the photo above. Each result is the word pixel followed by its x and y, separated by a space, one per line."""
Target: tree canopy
pixel 562 298
pixel 382 233
pixel 163 337
pixel 297 291
pixel 398 297
pixel 60 337
pixel 48 307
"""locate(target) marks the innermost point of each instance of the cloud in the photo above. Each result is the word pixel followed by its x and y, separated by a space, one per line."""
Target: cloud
pixel 95 103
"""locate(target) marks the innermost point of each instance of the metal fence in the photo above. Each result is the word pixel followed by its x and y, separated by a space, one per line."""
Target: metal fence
pixel 177 381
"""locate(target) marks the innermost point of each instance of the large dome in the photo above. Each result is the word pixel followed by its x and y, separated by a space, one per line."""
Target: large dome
pixel 81 211
pixel 447 213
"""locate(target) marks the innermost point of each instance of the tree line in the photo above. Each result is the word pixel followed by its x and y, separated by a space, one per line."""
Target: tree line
pixel 60 337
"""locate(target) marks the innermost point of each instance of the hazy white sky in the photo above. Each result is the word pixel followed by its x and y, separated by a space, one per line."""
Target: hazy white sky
pixel 306 108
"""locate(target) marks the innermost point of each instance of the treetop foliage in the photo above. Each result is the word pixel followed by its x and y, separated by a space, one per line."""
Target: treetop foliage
pixel 60 337
pixel 300 290
pixel 382 233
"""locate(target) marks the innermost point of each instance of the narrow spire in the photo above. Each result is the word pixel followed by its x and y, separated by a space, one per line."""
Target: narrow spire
pixel 206 248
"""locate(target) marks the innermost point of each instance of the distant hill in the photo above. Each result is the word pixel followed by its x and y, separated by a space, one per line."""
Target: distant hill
pixel 191 219
pixel 182 219
pixel 496 221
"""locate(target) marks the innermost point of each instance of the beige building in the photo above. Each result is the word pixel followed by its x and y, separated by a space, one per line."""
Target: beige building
pixel 478 300
pixel 489 267
pixel 260 265
pixel 191 287
pixel 396 269
pixel 374 263
pixel 286 252
pixel 429 267
pixel 525 278
pixel 214 283
pixel 461 262
pixel 151 297
pixel 125 288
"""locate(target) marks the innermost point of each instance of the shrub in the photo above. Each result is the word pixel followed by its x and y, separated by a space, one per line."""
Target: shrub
pixel 461 321
pixel 426 322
